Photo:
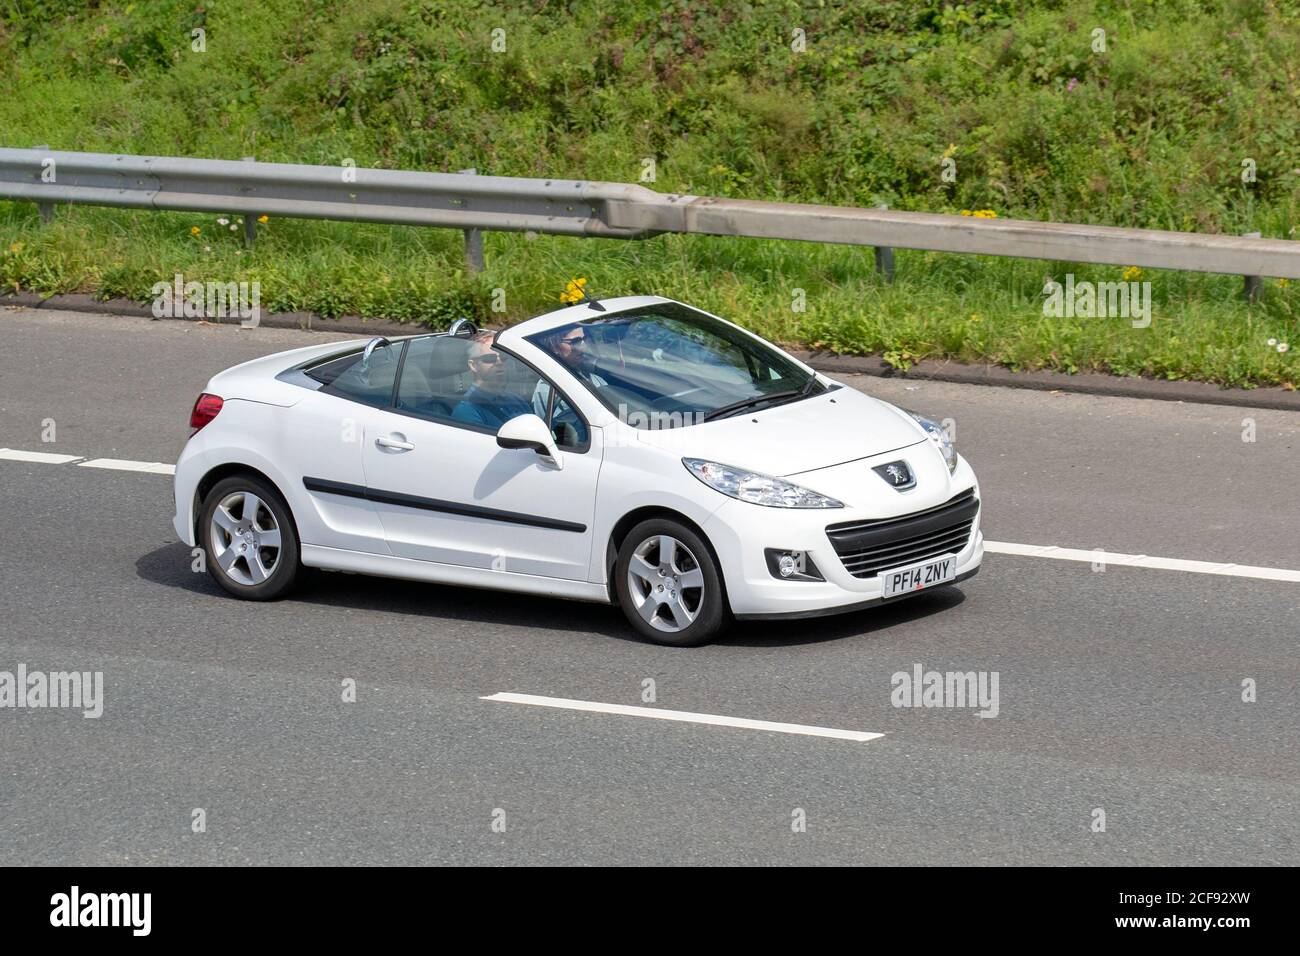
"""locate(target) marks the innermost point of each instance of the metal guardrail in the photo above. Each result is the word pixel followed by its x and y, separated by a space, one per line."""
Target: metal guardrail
pixel 594 209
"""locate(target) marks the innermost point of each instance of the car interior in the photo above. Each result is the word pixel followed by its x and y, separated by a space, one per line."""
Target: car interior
pixel 435 379
pixel 435 376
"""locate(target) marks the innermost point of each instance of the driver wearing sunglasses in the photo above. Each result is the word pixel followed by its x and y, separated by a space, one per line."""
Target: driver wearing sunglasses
pixel 570 346
pixel 488 403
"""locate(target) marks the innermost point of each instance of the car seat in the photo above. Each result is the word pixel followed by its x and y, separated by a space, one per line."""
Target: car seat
pixel 439 377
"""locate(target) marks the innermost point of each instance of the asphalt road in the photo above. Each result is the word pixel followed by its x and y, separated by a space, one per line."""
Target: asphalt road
pixel 1119 690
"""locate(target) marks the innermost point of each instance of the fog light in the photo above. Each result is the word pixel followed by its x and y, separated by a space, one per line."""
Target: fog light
pixel 791 565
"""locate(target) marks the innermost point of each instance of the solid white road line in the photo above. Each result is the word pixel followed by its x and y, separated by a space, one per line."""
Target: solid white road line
pixel 1142 561
pixel 681 715
pixel 121 464
pixel 993 547
pixel 41 457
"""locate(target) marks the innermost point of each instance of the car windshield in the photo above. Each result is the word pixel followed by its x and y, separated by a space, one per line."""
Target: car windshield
pixel 668 366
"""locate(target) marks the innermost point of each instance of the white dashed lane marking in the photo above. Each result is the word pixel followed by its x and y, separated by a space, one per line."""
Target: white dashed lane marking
pixel 112 464
pixel 40 457
pixel 121 464
pixel 1141 561
pixel 1223 568
pixel 654 713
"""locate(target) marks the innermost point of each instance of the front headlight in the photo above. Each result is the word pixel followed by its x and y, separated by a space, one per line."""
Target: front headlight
pixel 940 439
pixel 755 488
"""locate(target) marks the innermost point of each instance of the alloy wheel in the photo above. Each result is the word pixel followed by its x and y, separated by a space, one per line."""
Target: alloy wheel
pixel 245 538
pixel 666 584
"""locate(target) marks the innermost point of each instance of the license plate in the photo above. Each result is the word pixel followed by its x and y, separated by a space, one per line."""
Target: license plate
pixel 918 576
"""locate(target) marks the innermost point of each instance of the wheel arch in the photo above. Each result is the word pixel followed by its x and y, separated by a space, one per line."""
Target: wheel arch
pixel 231 470
pixel 624 526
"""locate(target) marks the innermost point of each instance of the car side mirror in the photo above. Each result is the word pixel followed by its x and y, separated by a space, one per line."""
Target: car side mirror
pixel 529 431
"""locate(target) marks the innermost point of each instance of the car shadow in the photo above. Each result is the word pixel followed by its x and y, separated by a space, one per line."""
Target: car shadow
pixel 834 627
pixel 171 566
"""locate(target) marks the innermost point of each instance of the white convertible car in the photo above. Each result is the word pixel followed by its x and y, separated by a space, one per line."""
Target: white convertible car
pixel 632 450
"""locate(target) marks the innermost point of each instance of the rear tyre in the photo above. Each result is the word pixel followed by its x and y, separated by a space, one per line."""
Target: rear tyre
pixel 669 585
pixel 249 539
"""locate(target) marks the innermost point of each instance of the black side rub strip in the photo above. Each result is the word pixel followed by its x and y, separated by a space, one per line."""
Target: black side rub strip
pixel 433 504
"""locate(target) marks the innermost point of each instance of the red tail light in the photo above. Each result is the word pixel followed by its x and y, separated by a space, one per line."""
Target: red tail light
pixel 205 409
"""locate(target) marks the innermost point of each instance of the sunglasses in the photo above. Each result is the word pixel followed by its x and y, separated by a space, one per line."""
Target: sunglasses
pixel 575 340
pixel 488 359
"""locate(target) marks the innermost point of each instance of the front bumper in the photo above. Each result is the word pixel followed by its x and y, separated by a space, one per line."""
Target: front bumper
pixel 740 532
pixel 859 605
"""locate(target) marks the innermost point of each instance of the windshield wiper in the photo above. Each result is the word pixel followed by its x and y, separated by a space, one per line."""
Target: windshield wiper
pixel 741 405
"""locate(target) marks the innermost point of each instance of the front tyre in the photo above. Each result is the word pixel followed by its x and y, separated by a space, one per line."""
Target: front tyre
pixel 669 585
pixel 249 538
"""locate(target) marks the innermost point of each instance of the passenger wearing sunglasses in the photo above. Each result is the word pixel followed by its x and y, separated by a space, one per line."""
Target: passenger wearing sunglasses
pixel 488 403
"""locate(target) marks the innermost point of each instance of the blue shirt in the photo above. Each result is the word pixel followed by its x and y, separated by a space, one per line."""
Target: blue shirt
pixel 489 409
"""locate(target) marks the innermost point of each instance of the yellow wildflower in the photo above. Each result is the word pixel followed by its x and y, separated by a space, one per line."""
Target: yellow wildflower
pixel 573 292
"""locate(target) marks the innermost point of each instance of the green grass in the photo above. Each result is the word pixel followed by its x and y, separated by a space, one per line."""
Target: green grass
pixel 1151 133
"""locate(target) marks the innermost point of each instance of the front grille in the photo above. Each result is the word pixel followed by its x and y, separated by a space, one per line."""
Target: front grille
pixel 868 547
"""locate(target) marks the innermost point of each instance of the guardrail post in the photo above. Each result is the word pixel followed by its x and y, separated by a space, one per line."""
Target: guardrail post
pixel 473 239
pixel 885 256
pixel 1254 284
pixel 46 209
pixel 250 220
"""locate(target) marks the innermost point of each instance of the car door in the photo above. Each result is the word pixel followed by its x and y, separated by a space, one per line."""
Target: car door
pixel 324 439
pixel 446 492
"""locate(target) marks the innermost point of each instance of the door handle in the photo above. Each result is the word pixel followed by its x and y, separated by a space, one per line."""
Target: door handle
pixel 394 444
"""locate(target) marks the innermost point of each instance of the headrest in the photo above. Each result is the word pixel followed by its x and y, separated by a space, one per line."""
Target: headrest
pixel 449 356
